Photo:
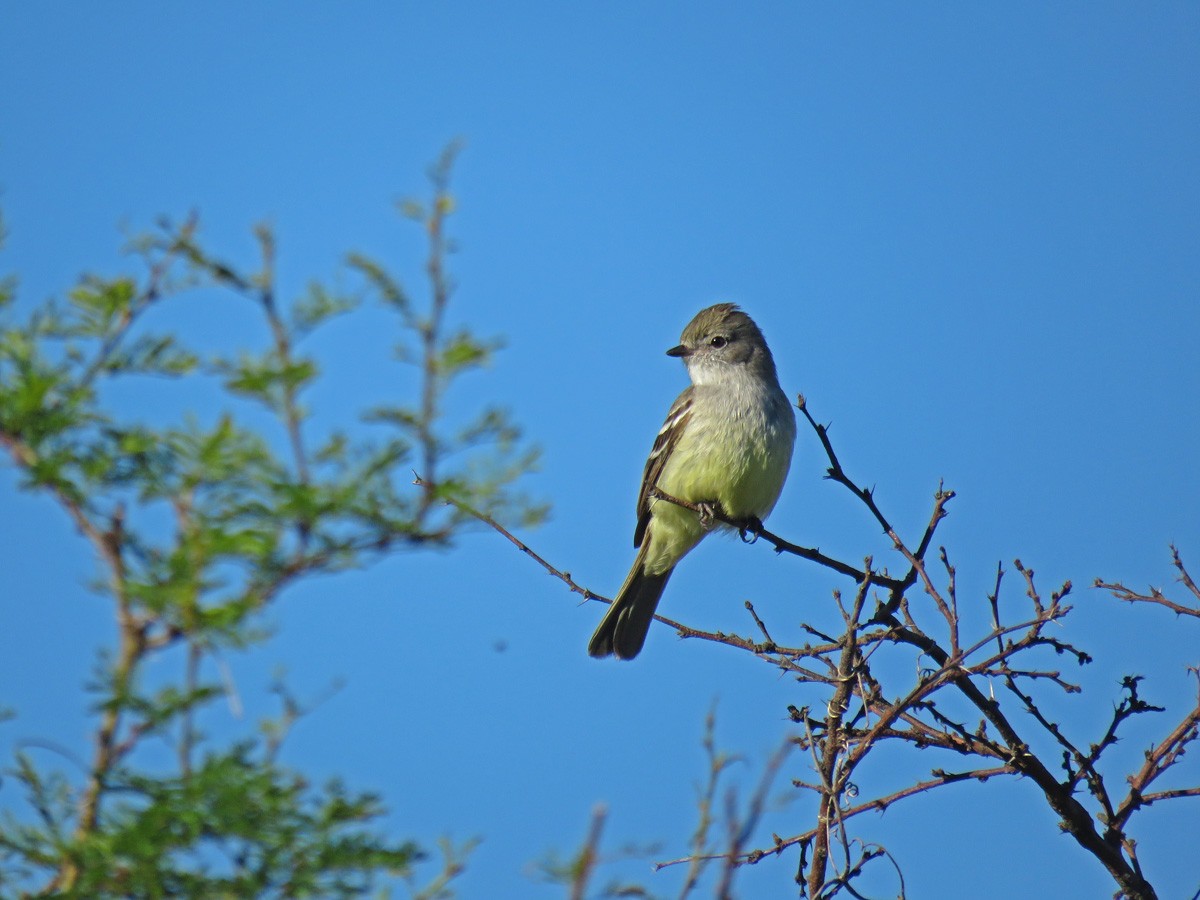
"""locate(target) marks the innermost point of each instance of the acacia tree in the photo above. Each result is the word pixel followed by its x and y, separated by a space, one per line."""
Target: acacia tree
pixel 979 700
pixel 257 505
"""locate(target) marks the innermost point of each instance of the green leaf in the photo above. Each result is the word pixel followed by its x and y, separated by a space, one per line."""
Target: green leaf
pixel 101 303
pixel 267 378
pixel 152 355
pixel 389 290
pixel 318 306
pixel 462 351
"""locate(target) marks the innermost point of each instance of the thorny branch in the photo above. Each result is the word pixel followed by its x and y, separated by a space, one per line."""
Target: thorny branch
pixel 753 530
pixel 1156 596
pixel 861 711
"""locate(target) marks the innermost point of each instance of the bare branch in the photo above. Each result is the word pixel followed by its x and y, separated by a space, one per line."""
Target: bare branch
pixel 585 863
pixel 1156 596
pixel 756 530
pixel 879 804
pixel 1159 759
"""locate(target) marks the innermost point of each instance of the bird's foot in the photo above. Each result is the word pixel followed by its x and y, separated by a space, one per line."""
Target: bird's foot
pixel 708 514
pixel 750 529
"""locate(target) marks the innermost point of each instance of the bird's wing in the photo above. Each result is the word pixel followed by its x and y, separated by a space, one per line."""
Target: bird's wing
pixel 664 444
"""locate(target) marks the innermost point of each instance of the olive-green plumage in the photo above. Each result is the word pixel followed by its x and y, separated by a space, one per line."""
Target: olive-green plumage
pixel 727 441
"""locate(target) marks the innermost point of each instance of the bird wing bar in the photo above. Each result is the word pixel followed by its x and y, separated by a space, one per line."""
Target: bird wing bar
pixel 664 443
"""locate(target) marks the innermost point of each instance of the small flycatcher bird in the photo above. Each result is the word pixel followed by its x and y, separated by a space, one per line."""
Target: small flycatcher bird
pixel 726 444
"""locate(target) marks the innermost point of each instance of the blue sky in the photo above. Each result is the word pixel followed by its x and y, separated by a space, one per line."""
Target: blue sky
pixel 971 235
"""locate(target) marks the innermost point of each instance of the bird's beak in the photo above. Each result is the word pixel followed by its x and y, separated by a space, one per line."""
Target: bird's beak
pixel 679 351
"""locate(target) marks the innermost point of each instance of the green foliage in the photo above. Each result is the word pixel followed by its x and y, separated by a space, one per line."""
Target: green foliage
pixel 317 307
pixel 236 825
pixel 252 508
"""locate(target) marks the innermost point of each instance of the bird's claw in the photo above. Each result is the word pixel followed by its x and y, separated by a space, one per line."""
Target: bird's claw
pixel 751 530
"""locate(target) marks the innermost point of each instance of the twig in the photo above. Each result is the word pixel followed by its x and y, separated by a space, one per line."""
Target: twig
pixel 1156 596
pixel 780 544
pixel 564 577
pixel 430 327
pixel 878 804
pixel 283 347
pixel 742 832
pixel 1159 759
pixel 717 764
pixel 589 854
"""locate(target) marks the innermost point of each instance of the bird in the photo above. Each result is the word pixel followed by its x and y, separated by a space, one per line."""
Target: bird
pixel 726 446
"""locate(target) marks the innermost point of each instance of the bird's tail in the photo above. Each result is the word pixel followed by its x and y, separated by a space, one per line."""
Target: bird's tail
pixel 623 629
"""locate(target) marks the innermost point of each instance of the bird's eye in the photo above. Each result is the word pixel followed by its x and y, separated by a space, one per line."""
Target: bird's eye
pixel 719 341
